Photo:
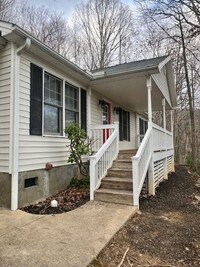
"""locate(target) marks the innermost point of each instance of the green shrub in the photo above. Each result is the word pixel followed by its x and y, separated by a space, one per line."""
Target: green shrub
pixel 80 183
pixel 80 145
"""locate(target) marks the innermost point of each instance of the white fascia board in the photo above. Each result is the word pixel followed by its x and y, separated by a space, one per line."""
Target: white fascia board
pixel 163 63
pixel 145 71
pixel 171 84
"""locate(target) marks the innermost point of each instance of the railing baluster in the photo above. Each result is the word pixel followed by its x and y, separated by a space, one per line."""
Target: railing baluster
pixel 105 153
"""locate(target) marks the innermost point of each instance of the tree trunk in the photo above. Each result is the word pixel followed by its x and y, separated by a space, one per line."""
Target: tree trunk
pixel 190 99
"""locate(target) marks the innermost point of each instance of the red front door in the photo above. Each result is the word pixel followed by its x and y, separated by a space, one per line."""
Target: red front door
pixel 106 120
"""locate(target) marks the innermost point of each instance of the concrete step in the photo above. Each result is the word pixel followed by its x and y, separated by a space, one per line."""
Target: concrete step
pixel 114 196
pixel 121 173
pixel 122 164
pixel 126 154
pixel 117 183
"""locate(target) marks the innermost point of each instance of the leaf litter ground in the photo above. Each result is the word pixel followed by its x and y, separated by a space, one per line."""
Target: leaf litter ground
pixel 166 231
pixel 68 199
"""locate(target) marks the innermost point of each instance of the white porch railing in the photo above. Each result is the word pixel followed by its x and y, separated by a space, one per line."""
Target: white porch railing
pixel 100 133
pixel 140 164
pixel 156 149
pixel 162 139
pixel 103 159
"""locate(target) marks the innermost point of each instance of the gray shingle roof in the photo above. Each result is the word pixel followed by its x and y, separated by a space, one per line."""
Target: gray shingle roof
pixel 133 66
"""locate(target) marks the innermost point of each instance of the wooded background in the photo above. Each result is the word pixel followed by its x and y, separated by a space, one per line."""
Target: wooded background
pixel 102 33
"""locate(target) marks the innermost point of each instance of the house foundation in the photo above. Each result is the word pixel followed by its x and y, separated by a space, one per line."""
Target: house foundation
pixel 36 185
pixel 5 190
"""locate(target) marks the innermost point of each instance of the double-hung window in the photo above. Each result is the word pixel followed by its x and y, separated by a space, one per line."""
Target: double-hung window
pixel 52 105
pixel 50 102
pixel 71 104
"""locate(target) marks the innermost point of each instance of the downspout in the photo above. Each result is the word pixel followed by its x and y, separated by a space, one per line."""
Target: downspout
pixel 15 125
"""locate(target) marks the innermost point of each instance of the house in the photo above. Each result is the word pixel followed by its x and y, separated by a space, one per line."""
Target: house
pixel 41 92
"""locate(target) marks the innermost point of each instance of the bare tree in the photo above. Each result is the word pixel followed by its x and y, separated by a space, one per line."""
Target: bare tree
pixel 6 9
pixel 106 30
pixel 179 23
pixel 48 26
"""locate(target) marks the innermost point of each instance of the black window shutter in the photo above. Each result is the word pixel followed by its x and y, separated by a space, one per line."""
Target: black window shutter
pixel 120 124
pixel 128 114
pixel 36 100
pixel 83 109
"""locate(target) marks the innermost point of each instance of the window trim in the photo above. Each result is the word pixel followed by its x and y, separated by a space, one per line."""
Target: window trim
pixel 78 111
pixel 122 133
pixel 61 130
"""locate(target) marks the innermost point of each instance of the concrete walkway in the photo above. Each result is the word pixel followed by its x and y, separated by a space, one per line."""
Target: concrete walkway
pixel 70 239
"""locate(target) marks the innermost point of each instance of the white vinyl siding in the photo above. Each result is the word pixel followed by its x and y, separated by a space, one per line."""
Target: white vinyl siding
pixel 161 81
pixel 96 111
pixel 5 81
pixel 36 151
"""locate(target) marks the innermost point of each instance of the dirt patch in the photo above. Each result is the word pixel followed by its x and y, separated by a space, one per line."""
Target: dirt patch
pixel 68 199
pixel 165 233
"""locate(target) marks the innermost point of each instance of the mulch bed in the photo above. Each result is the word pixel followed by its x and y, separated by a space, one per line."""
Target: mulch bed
pixel 68 199
pixel 166 231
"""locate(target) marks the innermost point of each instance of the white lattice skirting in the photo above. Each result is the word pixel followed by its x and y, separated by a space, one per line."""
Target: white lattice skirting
pixel 159 170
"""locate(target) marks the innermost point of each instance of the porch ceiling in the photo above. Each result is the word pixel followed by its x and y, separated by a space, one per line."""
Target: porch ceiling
pixel 130 91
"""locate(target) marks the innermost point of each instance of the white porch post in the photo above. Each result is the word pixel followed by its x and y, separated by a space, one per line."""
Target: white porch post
pixel 172 122
pixel 92 176
pixel 164 113
pixel 117 127
pixel 149 102
pixel 164 126
pixel 89 111
pixel 151 188
pixel 172 131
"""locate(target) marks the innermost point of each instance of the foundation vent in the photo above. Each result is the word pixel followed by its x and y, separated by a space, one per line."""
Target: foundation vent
pixel 29 182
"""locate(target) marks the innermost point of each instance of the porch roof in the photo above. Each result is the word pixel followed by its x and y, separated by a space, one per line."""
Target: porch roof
pixel 126 83
pixel 134 66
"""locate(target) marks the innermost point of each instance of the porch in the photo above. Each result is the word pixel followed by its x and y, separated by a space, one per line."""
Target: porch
pixel 142 88
pixel 153 161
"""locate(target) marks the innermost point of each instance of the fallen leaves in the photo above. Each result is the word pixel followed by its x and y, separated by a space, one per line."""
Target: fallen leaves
pixel 67 199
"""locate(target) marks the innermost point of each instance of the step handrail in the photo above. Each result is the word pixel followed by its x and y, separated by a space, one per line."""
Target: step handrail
pixel 140 164
pixel 103 159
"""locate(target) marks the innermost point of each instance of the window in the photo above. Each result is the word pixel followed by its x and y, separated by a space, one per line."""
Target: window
pixel 71 104
pixel 124 125
pixel 47 105
pixel 83 109
pixel 52 105
pixel 143 126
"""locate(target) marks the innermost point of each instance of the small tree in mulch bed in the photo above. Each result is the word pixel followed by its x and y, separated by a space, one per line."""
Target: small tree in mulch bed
pixel 80 145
